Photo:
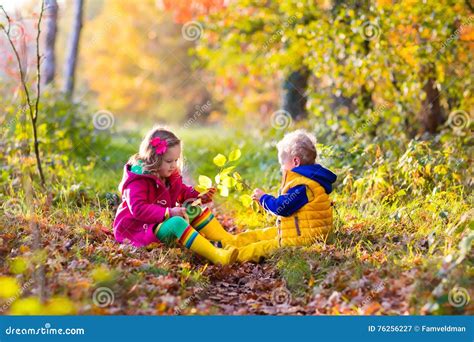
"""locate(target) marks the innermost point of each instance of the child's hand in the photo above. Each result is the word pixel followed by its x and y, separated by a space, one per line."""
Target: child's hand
pixel 178 211
pixel 206 197
pixel 257 194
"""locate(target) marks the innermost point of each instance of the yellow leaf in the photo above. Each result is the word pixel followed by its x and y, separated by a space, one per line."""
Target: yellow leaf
pixel 228 182
pixel 227 170
pixel 311 281
pixel 440 169
pixel 401 193
pixel 26 306
pixel 246 200
pixel 101 274
pixel 224 191
pixel 60 306
pixel 428 169
pixel 205 181
pixel 219 160
pixel 234 155
pixel 8 287
pixel 200 188
pixel 18 265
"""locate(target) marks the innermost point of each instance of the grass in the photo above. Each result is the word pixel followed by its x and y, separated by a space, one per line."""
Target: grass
pixel 390 252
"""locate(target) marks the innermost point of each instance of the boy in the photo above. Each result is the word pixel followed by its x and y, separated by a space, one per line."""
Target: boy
pixel 303 206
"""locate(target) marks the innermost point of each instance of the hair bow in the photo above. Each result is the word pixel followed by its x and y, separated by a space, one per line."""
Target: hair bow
pixel 159 144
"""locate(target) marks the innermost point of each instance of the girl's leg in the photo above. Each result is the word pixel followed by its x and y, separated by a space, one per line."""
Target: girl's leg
pixel 178 228
pixel 206 224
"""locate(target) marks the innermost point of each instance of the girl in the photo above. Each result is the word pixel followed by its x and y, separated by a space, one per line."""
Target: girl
pixel 152 192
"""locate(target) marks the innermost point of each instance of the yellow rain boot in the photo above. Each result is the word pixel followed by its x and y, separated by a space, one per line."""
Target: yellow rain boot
pixel 178 228
pixel 198 244
pixel 207 225
pixel 252 236
pixel 258 250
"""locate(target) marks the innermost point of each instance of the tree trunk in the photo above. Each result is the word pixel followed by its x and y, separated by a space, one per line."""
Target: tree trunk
pixel 49 63
pixel 294 93
pixel 430 115
pixel 73 48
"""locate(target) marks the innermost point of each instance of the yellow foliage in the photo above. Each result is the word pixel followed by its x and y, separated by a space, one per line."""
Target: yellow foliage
pixel 26 306
pixel 18 265
pixel 60 306
pixel 136 61
pixel 9 287
pixel 101 274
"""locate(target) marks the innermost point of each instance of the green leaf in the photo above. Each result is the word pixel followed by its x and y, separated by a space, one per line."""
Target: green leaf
pixel 401 193
pixel 205 181
pixel 234 155
pixel 220 160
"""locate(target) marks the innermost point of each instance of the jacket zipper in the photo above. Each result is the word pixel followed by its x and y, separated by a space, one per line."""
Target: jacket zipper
pixel 297 225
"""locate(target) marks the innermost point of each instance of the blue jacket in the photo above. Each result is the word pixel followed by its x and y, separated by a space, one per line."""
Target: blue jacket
pixel 295 198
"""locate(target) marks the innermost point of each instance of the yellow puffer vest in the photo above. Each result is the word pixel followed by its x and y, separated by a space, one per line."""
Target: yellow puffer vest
pixel 311 222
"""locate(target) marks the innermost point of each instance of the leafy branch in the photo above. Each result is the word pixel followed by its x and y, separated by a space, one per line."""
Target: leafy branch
pixel 224 180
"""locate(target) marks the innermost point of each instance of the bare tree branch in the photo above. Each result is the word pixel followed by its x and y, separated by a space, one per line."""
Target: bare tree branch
pixel 33 108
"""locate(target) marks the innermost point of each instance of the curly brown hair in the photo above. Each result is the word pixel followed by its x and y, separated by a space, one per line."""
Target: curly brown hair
pixel 147 154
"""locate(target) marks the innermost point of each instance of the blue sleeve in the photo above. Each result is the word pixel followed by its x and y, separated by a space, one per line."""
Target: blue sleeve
pixel 287 204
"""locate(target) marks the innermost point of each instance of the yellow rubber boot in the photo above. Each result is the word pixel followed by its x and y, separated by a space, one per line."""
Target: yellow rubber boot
pixel 251 236
pixel 258 250
pixel 207 225
pixel 204 248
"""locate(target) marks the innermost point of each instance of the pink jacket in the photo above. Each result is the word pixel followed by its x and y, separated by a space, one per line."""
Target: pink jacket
pixel 144 202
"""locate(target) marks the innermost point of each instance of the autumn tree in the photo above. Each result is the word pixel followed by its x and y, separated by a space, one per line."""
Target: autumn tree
pixel 396 67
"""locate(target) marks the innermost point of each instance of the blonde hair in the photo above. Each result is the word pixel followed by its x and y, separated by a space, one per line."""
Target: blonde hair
pixel 147 154
pixel 299 143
